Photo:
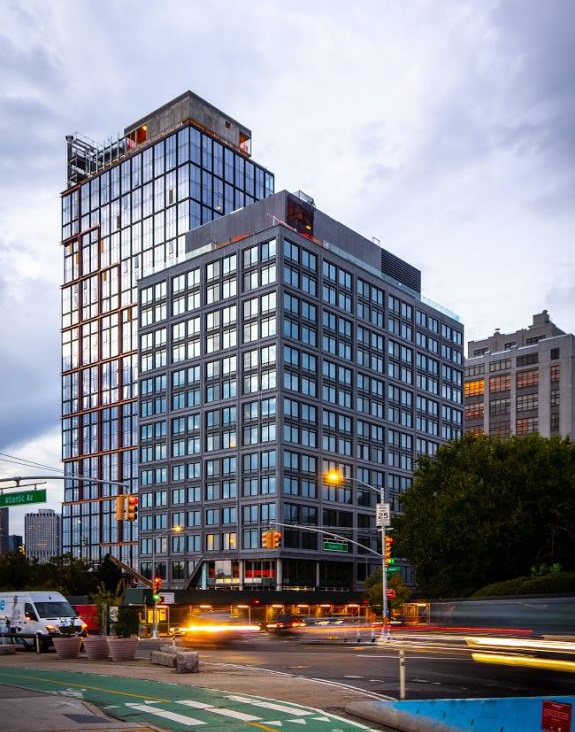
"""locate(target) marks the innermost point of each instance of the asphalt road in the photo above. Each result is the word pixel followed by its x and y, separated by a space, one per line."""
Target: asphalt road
pixel 434 668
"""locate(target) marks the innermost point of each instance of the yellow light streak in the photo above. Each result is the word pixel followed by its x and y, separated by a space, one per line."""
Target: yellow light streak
pixel 546 664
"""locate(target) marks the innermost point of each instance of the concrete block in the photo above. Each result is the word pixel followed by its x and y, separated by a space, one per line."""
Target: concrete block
pixel 161 658
pixel 170 648
pixel 187 662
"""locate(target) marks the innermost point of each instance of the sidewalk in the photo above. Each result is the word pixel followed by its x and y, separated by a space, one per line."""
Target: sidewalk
pixel 23 710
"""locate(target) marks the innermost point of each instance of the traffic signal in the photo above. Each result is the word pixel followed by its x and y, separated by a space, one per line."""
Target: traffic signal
pixel 132 509
pixel 388 543
pixel 267 539
pixel 276 539
pixel 120 507
pixel 156 586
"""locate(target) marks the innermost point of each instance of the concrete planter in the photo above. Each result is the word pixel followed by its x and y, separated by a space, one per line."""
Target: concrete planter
pixel 67 646
pixel 96 647
pixel 123 649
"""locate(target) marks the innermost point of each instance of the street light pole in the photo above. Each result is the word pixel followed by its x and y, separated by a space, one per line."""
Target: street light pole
pixel 176 530
pixel 335 478
pixel 154 613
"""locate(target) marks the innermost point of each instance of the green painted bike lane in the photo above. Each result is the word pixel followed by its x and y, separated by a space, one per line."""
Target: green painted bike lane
pixel 178 706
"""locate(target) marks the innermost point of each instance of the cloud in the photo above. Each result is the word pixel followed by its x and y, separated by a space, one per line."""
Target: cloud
pixel 443 129
pixel 40 457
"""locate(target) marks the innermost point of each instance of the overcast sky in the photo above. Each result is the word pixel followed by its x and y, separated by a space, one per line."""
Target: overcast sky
pixel 444 129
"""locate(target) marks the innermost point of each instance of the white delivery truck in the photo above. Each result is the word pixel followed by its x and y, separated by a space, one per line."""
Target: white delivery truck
pixel 36 616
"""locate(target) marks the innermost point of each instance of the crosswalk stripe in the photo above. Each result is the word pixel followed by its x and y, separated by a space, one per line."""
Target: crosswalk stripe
pixel 180 718
pixel 297 712
pixel 220 710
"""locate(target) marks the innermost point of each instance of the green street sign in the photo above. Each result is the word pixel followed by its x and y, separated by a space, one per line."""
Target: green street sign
pixel 393 569
pixel 22 497
pixel 335 546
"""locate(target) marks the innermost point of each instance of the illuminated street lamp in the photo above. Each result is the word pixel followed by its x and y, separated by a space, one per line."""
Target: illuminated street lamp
pixel 155 586
pixel 334 477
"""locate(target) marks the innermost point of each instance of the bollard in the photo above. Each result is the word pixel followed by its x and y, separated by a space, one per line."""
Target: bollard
pixel 37 644
pixel 402 674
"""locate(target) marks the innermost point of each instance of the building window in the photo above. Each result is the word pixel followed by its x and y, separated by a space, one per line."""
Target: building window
pixel 555 372
pixel 554 354
pixel 554 423
pixel 499 383
pixel 527 426
pixel 527 360
pixel 500 429
pixel 499 406
pixel 526 402
pixel 502 365
pixel 474 388
pixel 474 411
pixel 476 370
pixel 527 378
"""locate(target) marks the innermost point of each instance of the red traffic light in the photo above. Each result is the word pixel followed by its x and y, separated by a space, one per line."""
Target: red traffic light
pixel 132 508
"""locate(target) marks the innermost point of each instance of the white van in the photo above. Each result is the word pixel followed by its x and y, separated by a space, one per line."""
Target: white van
pixel 26 616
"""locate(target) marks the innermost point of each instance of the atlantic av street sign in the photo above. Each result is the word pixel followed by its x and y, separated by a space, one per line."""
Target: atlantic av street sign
pixel 21 497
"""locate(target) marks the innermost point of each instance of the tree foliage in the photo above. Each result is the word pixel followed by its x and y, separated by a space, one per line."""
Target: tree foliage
pixel 485 510
pixel 67 574
pixel 374 590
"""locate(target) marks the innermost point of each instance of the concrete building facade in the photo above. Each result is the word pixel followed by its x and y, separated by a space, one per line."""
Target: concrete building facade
pixel 284 345
pixel 522 382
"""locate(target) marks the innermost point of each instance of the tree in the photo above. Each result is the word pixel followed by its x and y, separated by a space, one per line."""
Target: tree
pixel 374 590
pixel 16 571
pixel 485 510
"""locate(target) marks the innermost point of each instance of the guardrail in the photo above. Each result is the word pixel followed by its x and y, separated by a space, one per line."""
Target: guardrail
pixel 14 636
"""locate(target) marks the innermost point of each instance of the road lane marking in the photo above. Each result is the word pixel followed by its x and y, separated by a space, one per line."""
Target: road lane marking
pixel 172 716
pixel 270 705
pixel 48 680
pixel 219 710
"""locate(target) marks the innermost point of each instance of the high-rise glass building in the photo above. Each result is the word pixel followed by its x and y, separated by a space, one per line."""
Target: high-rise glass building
pixel 281 346
pixel 42 535
pixel 127 207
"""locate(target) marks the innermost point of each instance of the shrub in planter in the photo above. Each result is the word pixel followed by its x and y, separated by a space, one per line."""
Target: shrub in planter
pixel 124 642
pixel 67 646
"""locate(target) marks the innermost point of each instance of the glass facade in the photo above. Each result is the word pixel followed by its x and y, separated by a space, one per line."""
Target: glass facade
pixel 265 363
pixel 125 213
